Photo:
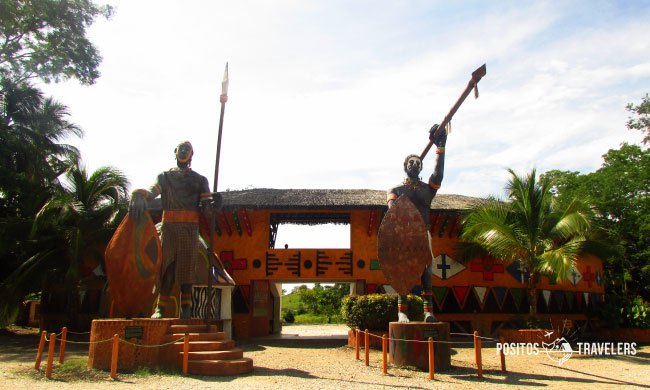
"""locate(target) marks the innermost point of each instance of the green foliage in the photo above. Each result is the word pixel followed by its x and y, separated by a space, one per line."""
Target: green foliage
pixel 47 39
pixel 619 194
pixel 289 316
pixel 636 313
pixel 642 120
pixel 544 236
pixel 376 311
pixel 325 301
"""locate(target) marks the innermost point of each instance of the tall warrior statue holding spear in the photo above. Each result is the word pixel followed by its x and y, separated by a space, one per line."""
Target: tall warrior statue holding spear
pixel 185 195
pixel 404 239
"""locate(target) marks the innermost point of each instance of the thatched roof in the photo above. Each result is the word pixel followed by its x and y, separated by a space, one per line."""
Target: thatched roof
pixel 310 199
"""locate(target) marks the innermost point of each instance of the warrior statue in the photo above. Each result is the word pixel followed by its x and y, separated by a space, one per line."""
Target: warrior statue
pixel 421 194
pixel 184 194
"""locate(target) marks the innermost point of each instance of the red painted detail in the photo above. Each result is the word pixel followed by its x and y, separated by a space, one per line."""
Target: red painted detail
pixel 226 224
pixel 240 264
pixel 371 288
pixel 227 258
pixel 371 222
pixel 247 223
pixel 487 267
pixel 461 293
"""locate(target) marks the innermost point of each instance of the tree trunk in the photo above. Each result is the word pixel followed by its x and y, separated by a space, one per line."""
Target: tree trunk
pixel 532 295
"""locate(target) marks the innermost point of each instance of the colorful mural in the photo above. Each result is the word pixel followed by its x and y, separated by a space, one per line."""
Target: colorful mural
pixel 482 290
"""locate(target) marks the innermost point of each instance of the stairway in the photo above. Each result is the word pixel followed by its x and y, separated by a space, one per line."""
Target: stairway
pixel 209 353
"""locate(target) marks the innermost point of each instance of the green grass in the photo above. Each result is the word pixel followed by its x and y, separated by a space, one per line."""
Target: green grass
pixel 291 301
pixel 316 319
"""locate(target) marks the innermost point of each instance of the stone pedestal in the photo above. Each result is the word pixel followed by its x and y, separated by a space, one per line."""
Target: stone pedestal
pixel 412 353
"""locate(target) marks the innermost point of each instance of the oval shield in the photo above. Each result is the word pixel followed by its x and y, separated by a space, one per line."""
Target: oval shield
pixel 403 245
pixel 133 258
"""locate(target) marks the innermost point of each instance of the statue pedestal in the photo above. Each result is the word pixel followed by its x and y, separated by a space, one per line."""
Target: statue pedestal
pixel 409 353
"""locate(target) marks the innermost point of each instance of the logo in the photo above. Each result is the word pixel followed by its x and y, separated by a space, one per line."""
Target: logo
pixel 561 348
pixel 558 351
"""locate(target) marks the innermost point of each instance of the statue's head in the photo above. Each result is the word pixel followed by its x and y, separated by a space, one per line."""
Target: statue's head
pixel 413 166
pixel 184 152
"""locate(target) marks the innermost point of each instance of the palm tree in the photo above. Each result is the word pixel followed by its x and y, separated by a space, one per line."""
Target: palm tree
pixel 75 224
pixel 84 215
pixel 529 228
pixel 32 157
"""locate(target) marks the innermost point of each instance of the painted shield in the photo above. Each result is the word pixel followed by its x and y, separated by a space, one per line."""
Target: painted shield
pixel 133 259
pixel 403 245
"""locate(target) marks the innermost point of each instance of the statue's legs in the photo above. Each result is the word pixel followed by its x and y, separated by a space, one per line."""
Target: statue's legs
pixel 402 309
pixel 165 289
pixel 186 301
pixel 427 294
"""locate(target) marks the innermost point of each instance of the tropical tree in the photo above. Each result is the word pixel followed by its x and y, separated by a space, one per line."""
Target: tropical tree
pixel 32 157
pixel 47 39
pixel 73 225
pixel 530 228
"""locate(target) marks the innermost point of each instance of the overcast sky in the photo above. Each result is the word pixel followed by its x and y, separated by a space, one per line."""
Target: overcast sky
pixel 334 94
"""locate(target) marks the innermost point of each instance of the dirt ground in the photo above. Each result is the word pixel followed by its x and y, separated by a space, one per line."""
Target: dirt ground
pixel 315 357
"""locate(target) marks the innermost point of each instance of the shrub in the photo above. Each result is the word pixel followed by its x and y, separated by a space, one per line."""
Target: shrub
pixel 376 311
pixel 289 317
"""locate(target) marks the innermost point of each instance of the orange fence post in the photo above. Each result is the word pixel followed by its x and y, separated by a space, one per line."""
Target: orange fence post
pixel 384 353
pixel 366 345
pixel 503 356
pixel 477 354
pixel 431 360
pixel 186 352
pixel 356 343
pixel 41 347
pixel 64 336
pixel 50 356
pixel 116 347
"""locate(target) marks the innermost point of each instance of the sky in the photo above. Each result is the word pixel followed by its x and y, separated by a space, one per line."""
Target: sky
pixel 334 94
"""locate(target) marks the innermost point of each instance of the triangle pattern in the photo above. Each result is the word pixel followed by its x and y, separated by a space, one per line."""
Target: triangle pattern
pixel 558 297
pixel 461 293
pixel 517 296
pixel 500 293
pixel 439 295
pixel 481 294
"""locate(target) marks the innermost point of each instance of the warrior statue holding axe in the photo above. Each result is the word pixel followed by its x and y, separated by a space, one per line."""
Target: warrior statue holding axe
pixel 404 239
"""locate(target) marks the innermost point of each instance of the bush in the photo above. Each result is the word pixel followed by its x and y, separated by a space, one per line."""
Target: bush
pixel 635 314
pixel 289 317
pixel 376 311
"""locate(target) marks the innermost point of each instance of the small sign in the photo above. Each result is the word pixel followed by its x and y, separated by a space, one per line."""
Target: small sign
pixel 430 333
pixel 133 332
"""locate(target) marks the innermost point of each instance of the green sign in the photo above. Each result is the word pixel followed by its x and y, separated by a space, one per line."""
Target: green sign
pixel 134 332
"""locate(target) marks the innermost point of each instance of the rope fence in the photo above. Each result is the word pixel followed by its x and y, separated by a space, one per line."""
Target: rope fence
pixel 477 343
pixel 116 340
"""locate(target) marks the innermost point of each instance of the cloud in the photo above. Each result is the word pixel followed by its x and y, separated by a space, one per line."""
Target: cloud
pixel 335 94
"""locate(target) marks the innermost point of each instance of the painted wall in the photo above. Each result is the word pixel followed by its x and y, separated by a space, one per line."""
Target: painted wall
pixel 480 286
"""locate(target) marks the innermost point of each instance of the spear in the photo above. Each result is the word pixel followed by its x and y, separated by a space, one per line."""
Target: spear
pixel 223 99
pixel 477 75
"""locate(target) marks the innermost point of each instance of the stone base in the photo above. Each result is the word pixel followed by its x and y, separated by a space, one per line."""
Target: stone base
pixel 144 331
pixel 416 354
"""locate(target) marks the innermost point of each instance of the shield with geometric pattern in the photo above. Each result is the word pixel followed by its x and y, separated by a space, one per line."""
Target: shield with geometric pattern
pixel 403 245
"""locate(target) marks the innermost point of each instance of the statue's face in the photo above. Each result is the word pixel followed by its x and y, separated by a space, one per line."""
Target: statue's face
pixel 413 166
pixel 183 153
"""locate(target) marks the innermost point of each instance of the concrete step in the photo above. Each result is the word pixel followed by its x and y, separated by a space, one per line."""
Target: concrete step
pixel 213 336
pixel 220 367
pixel 205 345
pixel 235 353
pixel 197 328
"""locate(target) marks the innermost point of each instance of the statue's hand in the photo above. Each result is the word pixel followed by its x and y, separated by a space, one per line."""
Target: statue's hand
pixel 137 205
pixel 216 201
pixel 439 139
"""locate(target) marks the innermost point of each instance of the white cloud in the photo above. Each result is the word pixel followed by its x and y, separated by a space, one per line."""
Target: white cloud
pixel 335 94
